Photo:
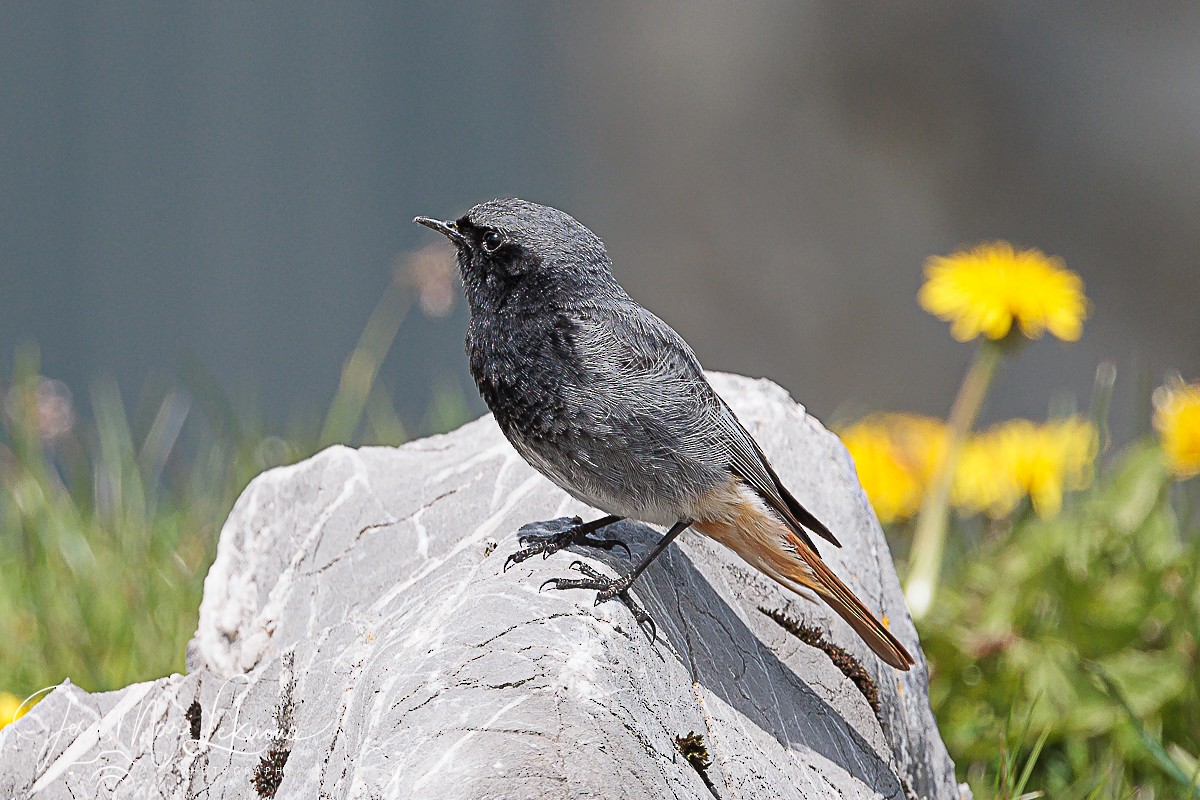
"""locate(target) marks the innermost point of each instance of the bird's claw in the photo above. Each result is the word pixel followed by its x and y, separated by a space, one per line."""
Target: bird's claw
pixel 607 544
pixel 553 535
pixel 546 531
pixel 644 621
pixel 607 588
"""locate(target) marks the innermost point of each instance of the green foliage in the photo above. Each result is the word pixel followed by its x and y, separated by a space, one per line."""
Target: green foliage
pixel 102 553
pixel 1089 624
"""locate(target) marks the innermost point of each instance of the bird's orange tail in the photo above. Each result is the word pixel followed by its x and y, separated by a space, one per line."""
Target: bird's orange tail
pixel 738 519
pixel 839 597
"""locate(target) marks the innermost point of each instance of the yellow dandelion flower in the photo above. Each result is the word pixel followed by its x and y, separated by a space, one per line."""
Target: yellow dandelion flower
pixel 895 454
pixel 1177 420
pixel 921 442
pixel 1023 458
pixel 984 290
pixel 893 490
pixel 1045 460
pixel 981 484
pixel 12 708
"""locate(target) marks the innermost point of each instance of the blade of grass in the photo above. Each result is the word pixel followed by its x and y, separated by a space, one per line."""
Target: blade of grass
pixel 1101 403
pixel 118 484
pixel 362 367
pixel 215 404
pixel 1031 762
pixel 161 438
pixel 1152 745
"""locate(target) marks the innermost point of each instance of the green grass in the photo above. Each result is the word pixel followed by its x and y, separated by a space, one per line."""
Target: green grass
pixel 104 551
pixel 1064 651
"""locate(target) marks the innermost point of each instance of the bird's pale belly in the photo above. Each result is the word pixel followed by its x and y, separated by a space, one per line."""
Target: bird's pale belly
pixel 658 502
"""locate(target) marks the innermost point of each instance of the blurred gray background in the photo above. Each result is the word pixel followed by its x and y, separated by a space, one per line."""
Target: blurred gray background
pixel 234 183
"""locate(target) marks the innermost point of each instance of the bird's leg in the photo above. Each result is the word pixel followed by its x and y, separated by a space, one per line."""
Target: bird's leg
pixel 609 588
pixel 549 537
pixel 594 580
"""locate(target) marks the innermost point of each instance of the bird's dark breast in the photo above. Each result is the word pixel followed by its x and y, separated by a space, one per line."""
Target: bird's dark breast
pixel 620 456
pixel 520 367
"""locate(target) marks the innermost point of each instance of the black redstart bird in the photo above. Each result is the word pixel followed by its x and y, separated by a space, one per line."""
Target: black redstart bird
pixel 607 401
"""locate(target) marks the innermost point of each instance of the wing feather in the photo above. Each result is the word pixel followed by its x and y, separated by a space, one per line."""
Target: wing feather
pixel 751 465
pixel 642 343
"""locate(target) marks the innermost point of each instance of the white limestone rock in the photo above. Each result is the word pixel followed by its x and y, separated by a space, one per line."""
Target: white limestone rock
pixel 358 637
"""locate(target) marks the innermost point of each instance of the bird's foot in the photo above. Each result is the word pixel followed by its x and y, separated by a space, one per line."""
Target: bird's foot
pixel 553 535
pixel 607 588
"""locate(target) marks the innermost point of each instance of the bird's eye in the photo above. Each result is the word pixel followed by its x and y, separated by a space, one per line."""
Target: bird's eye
pixel 493 241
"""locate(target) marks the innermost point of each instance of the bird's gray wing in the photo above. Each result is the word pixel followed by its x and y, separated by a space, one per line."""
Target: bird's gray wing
pixel 648 365
pixel 761 476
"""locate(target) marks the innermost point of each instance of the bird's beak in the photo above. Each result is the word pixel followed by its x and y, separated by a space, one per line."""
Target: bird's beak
pixel 449 228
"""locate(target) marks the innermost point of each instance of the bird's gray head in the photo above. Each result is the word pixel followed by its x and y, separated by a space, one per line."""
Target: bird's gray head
pixel 513 246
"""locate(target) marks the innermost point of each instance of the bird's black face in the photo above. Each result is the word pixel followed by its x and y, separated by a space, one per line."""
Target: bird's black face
pixel 492 253
pixel 506 245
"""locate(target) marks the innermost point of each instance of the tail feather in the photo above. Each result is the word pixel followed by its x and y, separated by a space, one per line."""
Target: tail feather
pixel 739 518
pixel 839 597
